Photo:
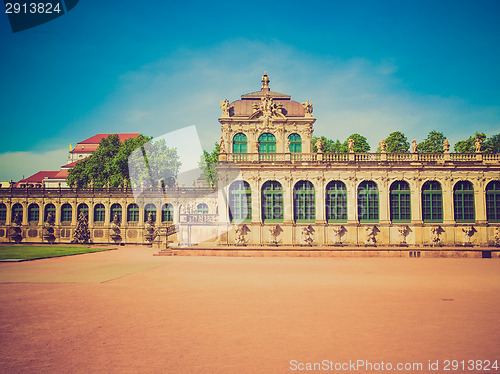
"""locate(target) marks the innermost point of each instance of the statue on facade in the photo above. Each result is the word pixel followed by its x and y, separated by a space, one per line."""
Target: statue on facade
pixel 403 233
pixel 256 146
pixel 338 231
pixel 224 104
pixel 496 236
pixel 48 229
pixel 275 232
pixel 371 233
pixel 222 145
pixel 414 146
pixel 150 233
pixel 239 235
pixel 287 146
pixel 115 229
pixel 350 144
pixel 468 232
pixel 435 236
pixel 82 232
pixel 478 145
pixel 382 145
pixel 308 108
pixel 319 145
pixel 446 146
pixel 15 229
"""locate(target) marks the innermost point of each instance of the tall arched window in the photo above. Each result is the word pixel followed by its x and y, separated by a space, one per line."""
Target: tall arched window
pixel 267 143
pixel 150 208
pixel 202 208
pixel 49 209
pixel 304 202
pixel 400 202
pixel 167 213
pixel 432 202
pixel 295 143
pixel 272 202
pixel 115 209
pixel 368 202
pixel 33 213
pixel 463 202
pixel 493 201
pixel 17 209
pixel 240 143
pixel 82 208
pixel 66 213
pixel 132 213
pixel 336 202
pixel 3 212
pixel 240 201
pixel 99 213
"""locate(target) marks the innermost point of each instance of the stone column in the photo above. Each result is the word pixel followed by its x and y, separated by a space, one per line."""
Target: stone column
pixel 480 201
pixel 416 200
pixel 383 195
pixel 288 200
pixel 352 200
pixel 320 201
pixel 447 191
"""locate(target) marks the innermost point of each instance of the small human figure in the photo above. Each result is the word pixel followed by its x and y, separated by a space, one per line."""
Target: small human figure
pixel 478 145
pixel 222 145
pixel 350 143
pixel 414 146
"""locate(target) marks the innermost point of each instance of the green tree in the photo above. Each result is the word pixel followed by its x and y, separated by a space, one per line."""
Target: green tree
pixel 329 145
pixel 433 143
pixel 109 163
pixel 360 144
pixel 469 145
pixel 493 143
pixel 208 163
pixel 396 142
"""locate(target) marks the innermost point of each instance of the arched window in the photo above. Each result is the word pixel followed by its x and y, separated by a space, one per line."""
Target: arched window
pixel 240 143
pixel 82 208
pixel 432 202
pixel 66 213
pixel 400 202
pixel 167 213
pixel 304 204
pixel 272 202
pixel 240 201
pixel 493 201
pixel 267 143
pixel 132 213
pixel 49 209
pixel 368 202
pixel 33 213
pixel 17 209
pixel 99 213
pixel 3 212
pixel 295 143
pixel 202 208
pixel 336 202
pixel 150 208
pixel 115 209
pixel 463 202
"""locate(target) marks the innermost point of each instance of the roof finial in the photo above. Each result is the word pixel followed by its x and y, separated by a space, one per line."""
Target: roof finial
pixel 265 82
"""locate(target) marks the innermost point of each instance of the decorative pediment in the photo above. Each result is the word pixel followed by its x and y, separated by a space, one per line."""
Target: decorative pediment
pixel 267 108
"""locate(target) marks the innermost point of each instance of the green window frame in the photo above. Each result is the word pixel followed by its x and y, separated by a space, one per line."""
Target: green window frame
pixel 400 202
pixel 133 213
pixel 272 202
pixel 49 208
pixel 267 143
pixel 368 202
pixel 336 202
pixel 3 212
pixel 240 202
pixel 82 208
pixel 295 145
pixel 493 201
pixel 463 202
pixel 240 143
pixel 150 208
pixel 304 202
pixel 432 202
pixel 33 213
pixel 202 208
pixel 167 213
pixel 115 209
pixel 66 213
pixel 99 213
pixel 17 209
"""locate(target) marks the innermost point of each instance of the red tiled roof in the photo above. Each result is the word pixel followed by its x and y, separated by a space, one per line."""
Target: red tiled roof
pixel 97 138
pixel 37 178
pixel 61 174
pixel 71 165
pixel 84 148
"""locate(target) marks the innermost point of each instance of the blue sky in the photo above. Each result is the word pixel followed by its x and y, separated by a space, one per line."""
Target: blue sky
pixel 370 67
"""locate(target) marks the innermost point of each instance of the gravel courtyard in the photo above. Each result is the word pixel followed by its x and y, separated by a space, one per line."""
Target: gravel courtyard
pixel 125 311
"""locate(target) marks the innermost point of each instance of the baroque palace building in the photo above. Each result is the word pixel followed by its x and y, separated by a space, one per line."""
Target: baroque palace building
pixel 285 195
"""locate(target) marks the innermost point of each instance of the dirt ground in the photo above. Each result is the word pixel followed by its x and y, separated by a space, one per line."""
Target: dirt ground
pixel 126 311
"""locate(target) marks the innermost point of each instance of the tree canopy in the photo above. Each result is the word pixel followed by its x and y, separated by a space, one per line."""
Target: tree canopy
pixel 493 143
pixel 109 163
pixel 329 145
pixel 469 145
pixel 360 144
pixel 396 142
pixel 208 163
pixel 433 143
